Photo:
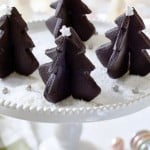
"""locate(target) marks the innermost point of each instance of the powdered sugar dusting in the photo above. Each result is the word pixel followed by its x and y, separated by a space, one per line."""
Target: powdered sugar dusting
pixel 5 10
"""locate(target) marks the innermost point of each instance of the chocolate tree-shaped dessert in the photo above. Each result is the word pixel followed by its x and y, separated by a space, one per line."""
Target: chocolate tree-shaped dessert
pixel 72 14
pixel 127 49
pixel 15 46
pixel 24 61
pixel 69 73
pixel 6 53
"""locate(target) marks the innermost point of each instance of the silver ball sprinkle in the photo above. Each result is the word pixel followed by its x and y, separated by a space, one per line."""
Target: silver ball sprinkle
pixel 29 88
pixel 5 91
pixel 135 91
pixel 115 88
pixel 90 46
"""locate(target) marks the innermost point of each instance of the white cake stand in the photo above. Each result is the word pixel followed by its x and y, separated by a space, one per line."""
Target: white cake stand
pixel 69 132
pixel 70 118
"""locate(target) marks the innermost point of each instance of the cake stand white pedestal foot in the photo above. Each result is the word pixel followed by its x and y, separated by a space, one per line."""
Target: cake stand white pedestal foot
pixel 67 138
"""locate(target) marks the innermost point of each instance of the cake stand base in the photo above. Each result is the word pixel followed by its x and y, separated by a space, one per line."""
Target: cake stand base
pixel 67 138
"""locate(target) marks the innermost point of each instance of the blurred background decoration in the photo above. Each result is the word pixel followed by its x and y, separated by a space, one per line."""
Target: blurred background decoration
pixel 16 135
pixel 102 9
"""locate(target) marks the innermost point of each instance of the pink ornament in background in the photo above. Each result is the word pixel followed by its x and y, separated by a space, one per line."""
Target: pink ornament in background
pixel 141 141
pixel 117 144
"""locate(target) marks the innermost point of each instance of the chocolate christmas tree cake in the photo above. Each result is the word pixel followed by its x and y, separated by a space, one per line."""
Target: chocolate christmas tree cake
pixel 15 46
pixel 72 14
pixel 69 73
pixel 127 49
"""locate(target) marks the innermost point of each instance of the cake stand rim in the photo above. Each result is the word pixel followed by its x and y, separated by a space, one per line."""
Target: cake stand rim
pixel 78 114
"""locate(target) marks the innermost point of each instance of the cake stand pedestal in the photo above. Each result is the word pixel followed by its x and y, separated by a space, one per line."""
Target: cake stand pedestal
pixel 71 119
pixel 67 138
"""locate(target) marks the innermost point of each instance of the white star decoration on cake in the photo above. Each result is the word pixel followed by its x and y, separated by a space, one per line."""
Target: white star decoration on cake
pixel 129 11
pixel 65 31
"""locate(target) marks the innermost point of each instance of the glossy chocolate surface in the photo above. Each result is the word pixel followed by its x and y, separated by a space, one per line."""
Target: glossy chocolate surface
pixel 69 73
pixel 127 49
pixel 15 46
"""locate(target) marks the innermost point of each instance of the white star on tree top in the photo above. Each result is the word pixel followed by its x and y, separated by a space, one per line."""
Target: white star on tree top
pixel 129 11
pixel 65 31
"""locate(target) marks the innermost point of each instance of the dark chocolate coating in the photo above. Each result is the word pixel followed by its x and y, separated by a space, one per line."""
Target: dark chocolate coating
pixel 57 82
pixel 54 5
pixel 24 61
pixel 16 46
pixel 44 71
pixel 138 43
pixel 127 50
pixel 52 53
pixel 140 63
pixel 106 50
pixel 83 86
pixel 51 23
pixel 72 14
pixel 69 73
pixel 83 27
pixel 55 75
pixel 119 61
pixel 6 53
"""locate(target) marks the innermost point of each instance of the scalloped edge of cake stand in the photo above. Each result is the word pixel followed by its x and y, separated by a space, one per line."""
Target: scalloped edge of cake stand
pixel 73 115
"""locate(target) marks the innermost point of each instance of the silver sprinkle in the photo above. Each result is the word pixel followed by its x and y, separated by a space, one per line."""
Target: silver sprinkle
pixel 29 88
pixel 5 91
pixel 90 46
pixel 116 88
pixel 135 91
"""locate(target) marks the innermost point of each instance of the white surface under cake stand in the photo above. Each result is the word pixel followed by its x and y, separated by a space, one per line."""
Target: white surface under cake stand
pixel 70 118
